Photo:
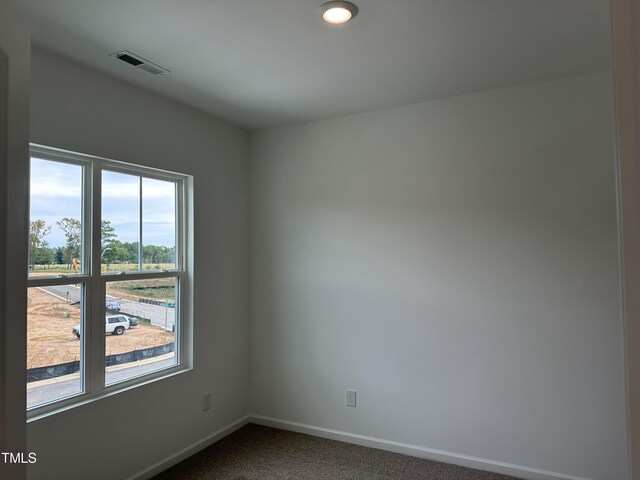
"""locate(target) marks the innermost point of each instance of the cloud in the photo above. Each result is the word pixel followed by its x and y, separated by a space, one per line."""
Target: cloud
pixel 54 179
pixel 56 192
pixel 120 185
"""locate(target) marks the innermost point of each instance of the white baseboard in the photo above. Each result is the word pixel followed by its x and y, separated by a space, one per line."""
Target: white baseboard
pixel 525 473
pixel 186 452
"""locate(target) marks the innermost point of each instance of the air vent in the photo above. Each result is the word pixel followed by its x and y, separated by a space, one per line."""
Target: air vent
pixel 129 59
pixel 137 61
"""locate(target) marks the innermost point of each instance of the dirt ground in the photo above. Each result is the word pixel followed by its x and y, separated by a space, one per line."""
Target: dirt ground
pixel 50 341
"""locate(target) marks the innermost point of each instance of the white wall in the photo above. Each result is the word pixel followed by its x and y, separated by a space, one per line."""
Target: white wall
pixel 79 110
pixel 14 151
pixel 454 261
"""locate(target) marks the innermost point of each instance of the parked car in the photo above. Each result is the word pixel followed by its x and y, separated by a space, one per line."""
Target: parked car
pixel 113 305
pixel 114 324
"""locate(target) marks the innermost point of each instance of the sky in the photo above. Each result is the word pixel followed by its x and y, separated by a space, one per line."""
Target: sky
pixel 56 192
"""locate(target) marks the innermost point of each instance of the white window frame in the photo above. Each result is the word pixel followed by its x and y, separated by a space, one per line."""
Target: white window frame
pixel 92 350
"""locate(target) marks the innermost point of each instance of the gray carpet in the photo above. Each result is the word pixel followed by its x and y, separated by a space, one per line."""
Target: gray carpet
pixel 261 453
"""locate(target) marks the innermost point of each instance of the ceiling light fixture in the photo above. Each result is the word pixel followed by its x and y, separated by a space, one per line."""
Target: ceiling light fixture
pixel 338 12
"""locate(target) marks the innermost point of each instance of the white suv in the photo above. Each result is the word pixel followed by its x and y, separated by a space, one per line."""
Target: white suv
pixel 114 324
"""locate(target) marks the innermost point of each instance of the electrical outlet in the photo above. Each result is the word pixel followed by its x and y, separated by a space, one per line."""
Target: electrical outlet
pixel 351 398
pixel 206 402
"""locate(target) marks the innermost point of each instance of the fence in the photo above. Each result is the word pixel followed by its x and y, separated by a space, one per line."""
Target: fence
pixel 160 303
pixel 52 371
pixel 137 355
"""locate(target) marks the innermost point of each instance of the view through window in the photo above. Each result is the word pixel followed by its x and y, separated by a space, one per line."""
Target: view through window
pixel 129 302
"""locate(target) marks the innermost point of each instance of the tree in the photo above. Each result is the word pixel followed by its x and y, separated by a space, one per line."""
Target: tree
pixel 72 229
pixel 130 251
pixel 108 242
pixel 108 234
pixel 59 256
pixel 43 256
pixel 158 254
pixel 38 229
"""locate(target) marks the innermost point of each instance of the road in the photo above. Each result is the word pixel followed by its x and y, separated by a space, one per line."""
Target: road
pixel 68 293
pixel 37 395
pixel 163 317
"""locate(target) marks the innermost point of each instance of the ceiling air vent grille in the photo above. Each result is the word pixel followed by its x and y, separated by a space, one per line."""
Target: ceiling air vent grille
pixel 129 59
pixel 137 61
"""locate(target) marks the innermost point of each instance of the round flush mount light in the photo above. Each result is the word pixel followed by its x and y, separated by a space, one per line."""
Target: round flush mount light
pixel 338 12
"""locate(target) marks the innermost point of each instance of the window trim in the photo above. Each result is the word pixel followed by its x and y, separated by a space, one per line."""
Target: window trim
pixel 92 374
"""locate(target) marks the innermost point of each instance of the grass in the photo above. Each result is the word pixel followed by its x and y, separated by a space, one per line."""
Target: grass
pixel 126 267
pixel 156 288
pixel 113 267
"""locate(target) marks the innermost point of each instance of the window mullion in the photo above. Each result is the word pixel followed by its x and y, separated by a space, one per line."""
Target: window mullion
pixel 140 247
pixel 95 358
pixel 180 331
pixel 180 230
pixel 85 256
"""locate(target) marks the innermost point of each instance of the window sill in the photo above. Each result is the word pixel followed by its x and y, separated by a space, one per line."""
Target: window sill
pixel 81 399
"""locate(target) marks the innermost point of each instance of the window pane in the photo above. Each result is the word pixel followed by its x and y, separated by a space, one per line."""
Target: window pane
pixel 158 224
pixel 120 222
pixel 140 327
pixel 53 343
pixel 55 227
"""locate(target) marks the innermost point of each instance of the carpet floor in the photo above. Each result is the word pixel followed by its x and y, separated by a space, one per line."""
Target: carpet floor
pixel 260 453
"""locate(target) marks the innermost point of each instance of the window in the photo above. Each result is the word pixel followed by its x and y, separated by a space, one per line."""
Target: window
pixel 106 277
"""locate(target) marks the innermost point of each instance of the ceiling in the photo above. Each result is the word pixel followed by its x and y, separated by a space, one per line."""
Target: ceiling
pixel 263 63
